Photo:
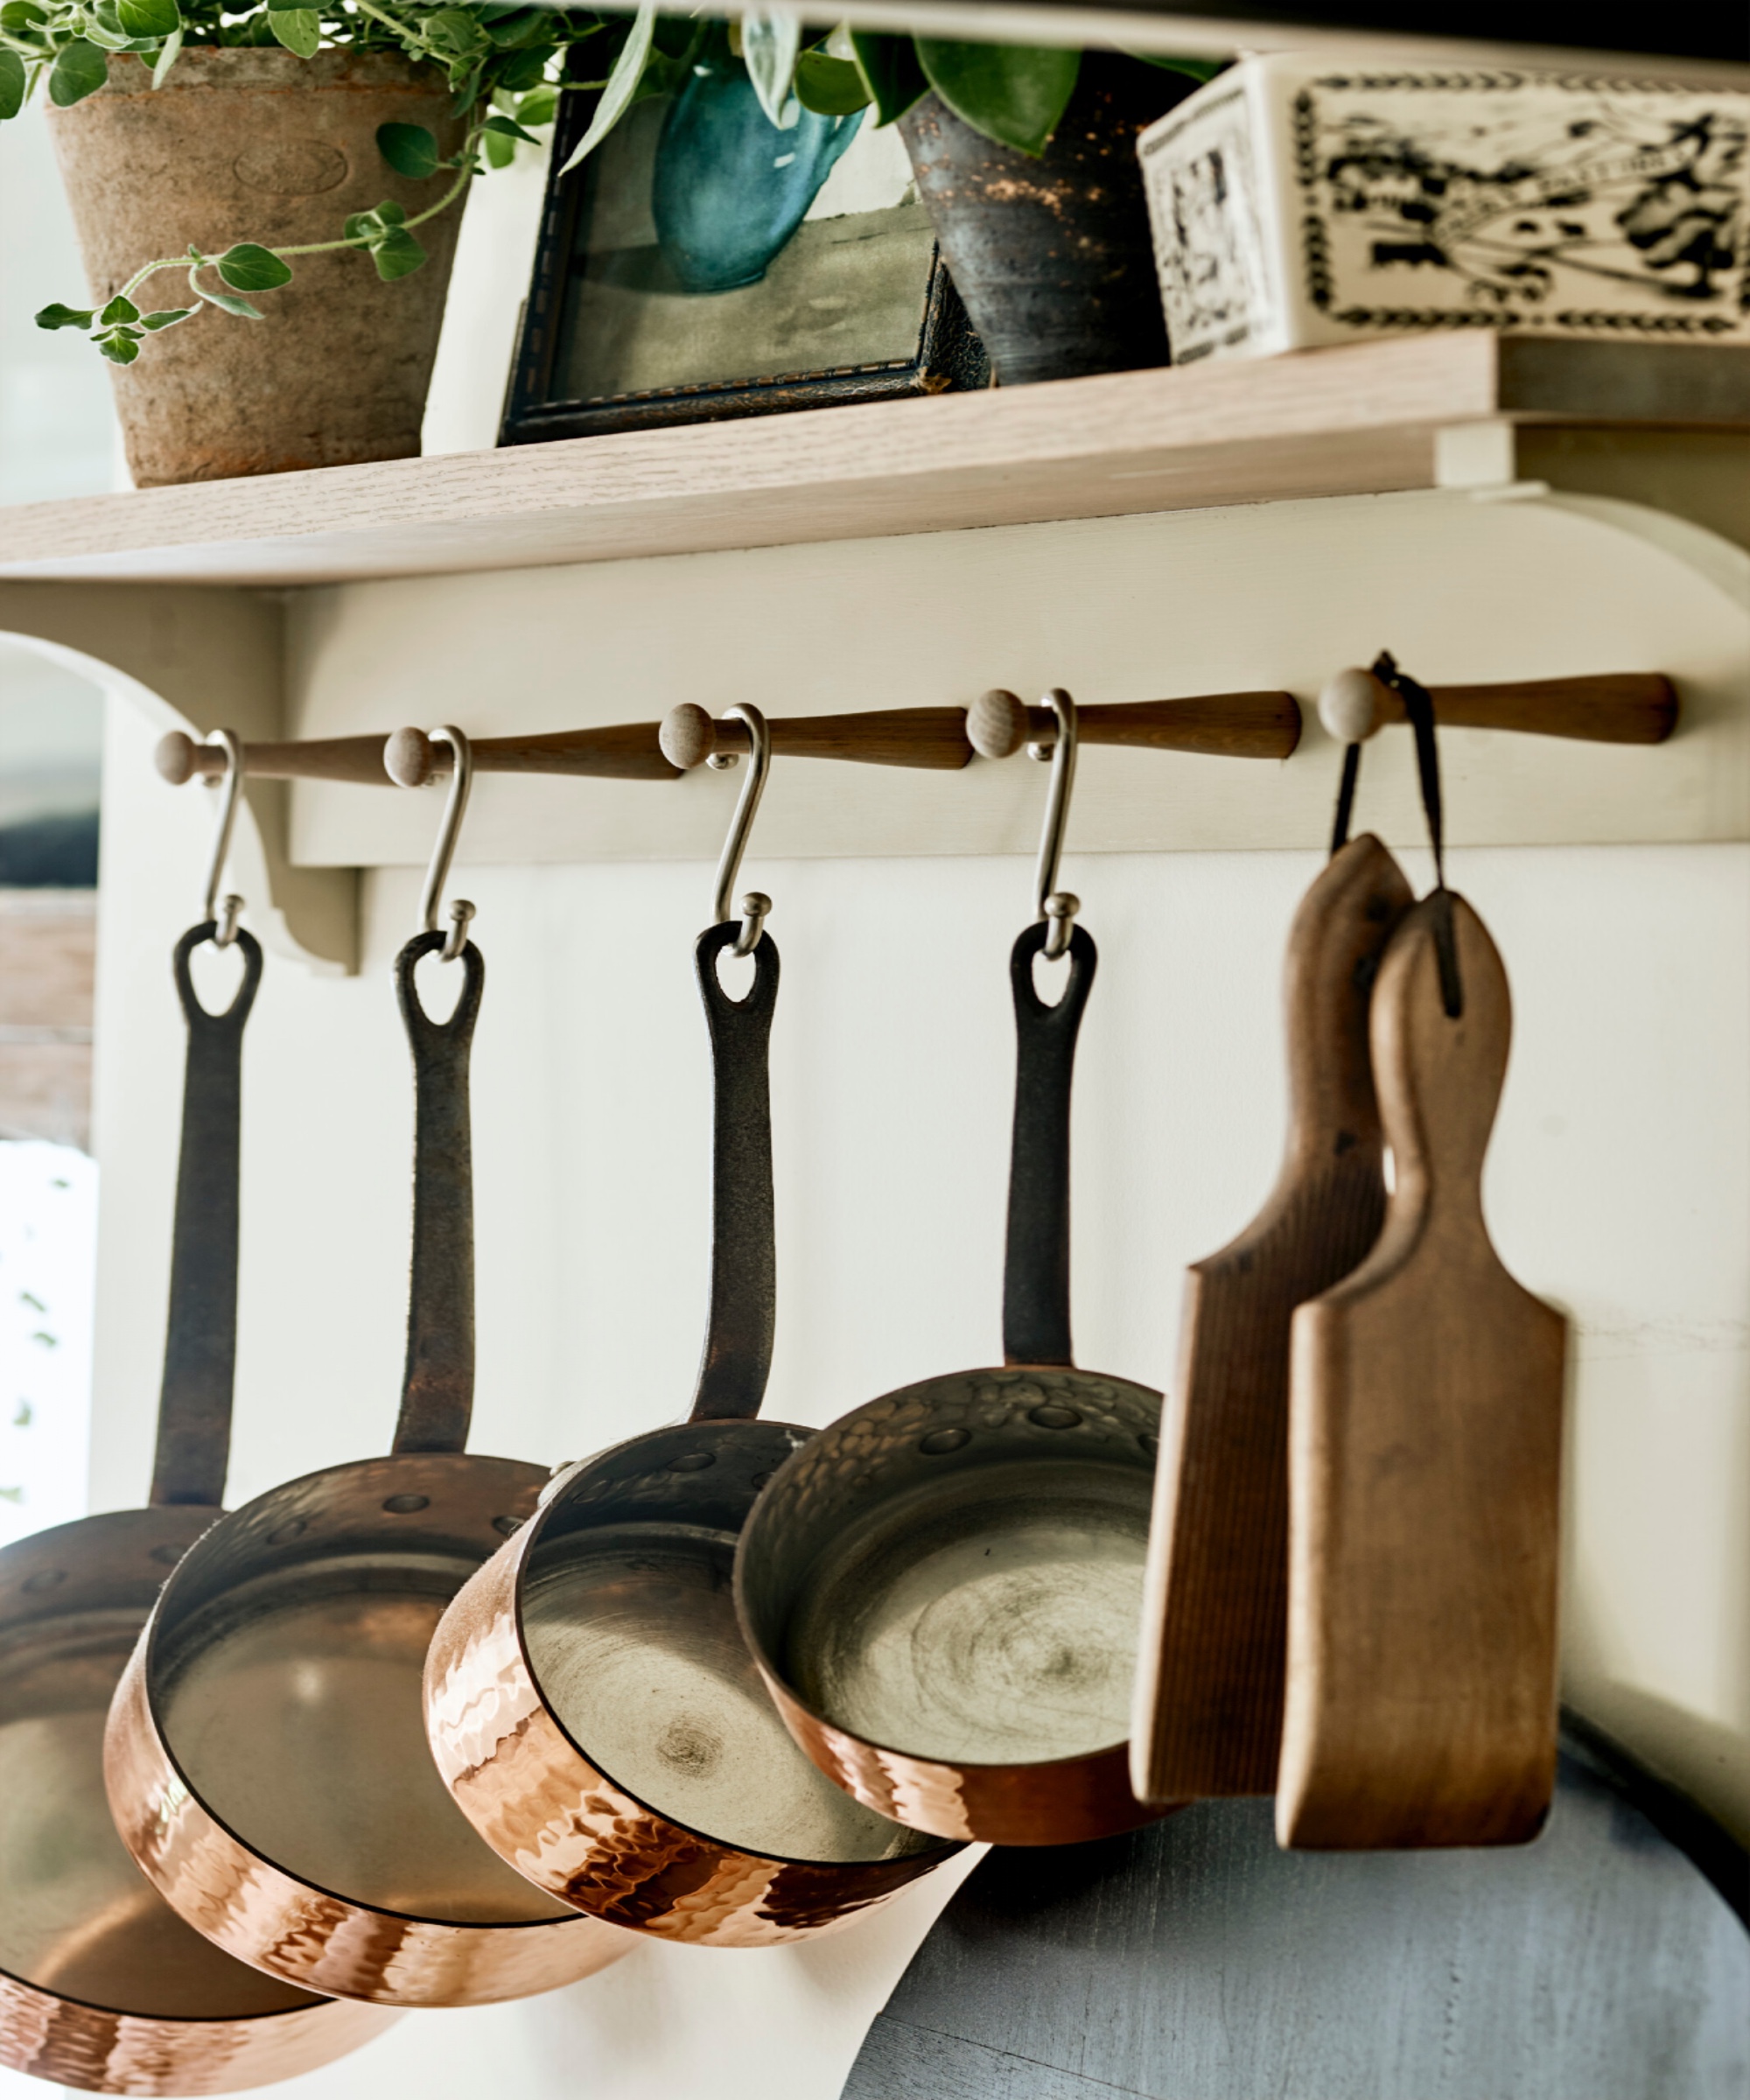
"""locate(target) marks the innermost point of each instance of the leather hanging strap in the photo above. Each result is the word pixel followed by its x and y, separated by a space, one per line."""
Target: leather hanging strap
pixel 744 1285
pixel 438 1385
pixel 200 1343
pixel 1036 1263
pixel 1419 705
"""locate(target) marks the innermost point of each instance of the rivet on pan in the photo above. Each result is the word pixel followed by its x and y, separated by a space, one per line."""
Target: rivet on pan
pixel 760 1481
pixel 1050 1415
pixel 404 1505
pixel 44 1579
pixel 167 1555
pixel 942 1440
pixel 505 1525
pixel 1148 1443
pixel 294 1527
pixel 692 1461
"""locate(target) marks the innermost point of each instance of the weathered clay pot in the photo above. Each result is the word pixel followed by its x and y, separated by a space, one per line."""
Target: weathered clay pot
pixel 1052 256
pixel 262 145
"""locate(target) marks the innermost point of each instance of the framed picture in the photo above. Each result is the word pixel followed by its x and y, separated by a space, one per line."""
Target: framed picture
pixel 703 264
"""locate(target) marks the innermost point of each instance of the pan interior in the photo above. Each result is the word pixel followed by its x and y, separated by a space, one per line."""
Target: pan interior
pixel 989 1618
pixel 293 1704
pixel 631 1632
pixel 77 1917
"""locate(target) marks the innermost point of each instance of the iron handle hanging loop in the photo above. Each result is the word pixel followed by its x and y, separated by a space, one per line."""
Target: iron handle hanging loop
pixel 755 906
pixel 223 910
pixel 455 808
pixel 1057 907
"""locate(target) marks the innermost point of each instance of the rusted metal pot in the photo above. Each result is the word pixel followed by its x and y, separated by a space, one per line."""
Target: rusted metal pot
pixel 1052 256
pixel 942 1589
pixel 590 1701
pixel 254 144
pixel 265 1757
pixel 102 1987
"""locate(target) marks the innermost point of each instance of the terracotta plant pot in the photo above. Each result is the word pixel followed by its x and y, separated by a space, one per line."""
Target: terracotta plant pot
pixel 1052 256
pixel 260 146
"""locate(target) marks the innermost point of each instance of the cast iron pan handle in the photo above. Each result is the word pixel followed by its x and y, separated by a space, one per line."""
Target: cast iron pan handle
pixel 1036 1264
pixel 744 1286
pixel 201 1345
pixel 438 1385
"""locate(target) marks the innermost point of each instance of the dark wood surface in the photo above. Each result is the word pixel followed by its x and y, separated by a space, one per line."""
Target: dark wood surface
pixel 1208 1718
pixel 1194 1961
pixel 1424 1463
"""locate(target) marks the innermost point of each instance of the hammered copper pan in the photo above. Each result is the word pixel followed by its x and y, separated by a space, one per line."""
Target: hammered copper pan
pixel 102 1987
pixel 266 1762
pixel 942 1589
pixel 589 1698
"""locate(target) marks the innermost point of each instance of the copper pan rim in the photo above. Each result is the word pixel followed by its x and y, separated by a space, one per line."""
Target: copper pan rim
pixel 537 1794
pixel 286 1923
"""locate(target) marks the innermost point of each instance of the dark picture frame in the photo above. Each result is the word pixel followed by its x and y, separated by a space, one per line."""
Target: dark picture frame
pixel 539 406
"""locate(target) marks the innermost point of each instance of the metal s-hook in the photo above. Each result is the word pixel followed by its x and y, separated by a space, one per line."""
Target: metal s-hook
pixel 755 906
pixel 455 807
pixel 223 910
pixel 1057 907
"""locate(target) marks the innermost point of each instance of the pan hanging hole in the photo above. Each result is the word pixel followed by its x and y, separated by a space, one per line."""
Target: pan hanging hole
pixel 506 1527
pixel 940 1442
pixel 692 1461
pixel 1148 1444
pixel 1050 1414
pixel 405 1505
pixel 439 990
pixel 736 974
pixel 759 1481
pixel 1051 977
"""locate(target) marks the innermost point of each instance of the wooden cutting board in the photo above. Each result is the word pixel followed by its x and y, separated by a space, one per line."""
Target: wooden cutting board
pixel 1424 1447
pixel 1210 1666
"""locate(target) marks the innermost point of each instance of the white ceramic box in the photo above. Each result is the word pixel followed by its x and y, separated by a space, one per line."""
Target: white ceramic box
pixel 1296 203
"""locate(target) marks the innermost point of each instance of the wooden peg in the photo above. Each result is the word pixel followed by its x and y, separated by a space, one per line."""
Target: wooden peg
pixel 931 738
pixel 359 759
pixel 1425 1448
pixel 626 751
pixel 1209 1672
pixel 1223 725
pixel 1613 707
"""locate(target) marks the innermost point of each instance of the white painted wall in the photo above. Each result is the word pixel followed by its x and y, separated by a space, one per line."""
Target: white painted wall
pixel 1617 1187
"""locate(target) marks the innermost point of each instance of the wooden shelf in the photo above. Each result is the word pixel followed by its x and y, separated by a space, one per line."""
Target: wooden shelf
pixel 1363 419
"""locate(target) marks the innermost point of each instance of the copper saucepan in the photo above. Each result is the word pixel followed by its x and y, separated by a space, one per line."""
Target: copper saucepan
pixel 266 1762
pixel 102 1987
pixel 589 1700
pixel 942 1589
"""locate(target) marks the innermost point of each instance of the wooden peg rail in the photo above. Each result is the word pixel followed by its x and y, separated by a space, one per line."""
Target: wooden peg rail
pixel 1631 707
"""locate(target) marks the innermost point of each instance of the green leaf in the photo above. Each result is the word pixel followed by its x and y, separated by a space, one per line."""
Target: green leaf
pixel 771 40
pixel 248 266
pixel 118 310
pixel 410 149
pixel 1199 69
pixel 361 226
pixel 166 317
pixel 525 69
pixel 149 18
pixel 80 70
pixel 499 152
pixel 454 31
pixel 19 16
pixel 64 317
pixel 1013 93
pixel 830 87
pixel 891 71
pixel 11 84
pixel 241 308
pixel 391 213
pixel 398 254
pixel 539 106
pixel 121 345
pixel 622 83
pixel 507 127
pixel 167 58
pixel 298 28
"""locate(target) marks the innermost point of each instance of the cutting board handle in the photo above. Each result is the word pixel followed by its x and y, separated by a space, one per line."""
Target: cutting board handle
pixel 1438 1075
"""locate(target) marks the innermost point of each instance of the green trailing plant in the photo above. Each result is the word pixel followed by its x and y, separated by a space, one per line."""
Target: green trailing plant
pixel 507 64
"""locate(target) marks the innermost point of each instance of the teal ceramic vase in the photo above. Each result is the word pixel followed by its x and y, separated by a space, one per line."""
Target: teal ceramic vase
pixel 730 187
